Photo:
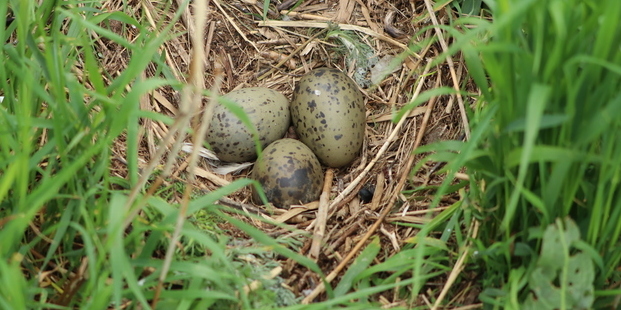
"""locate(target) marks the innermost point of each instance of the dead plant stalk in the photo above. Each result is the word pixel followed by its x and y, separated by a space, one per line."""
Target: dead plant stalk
pixel 449 61
pixel 191 100
pixel 393 199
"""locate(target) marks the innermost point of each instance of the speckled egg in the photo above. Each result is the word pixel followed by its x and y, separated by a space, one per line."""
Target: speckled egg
pixel 268 111
pixel 328 115
pixel 289 173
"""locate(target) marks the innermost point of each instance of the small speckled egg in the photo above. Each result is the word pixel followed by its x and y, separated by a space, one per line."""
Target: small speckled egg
pixel 289 173
pixel 328 115
pixel 268 111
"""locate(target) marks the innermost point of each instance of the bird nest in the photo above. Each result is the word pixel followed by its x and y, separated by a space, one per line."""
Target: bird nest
pixel 387 47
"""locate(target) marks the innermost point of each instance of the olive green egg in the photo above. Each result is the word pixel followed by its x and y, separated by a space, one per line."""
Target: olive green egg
pixel 267 110
pixel 289 173
pixel 328 114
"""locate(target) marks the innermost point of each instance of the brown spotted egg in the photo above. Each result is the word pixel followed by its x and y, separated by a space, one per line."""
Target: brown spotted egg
pixel 267 110
pixel 289 173
pixel 328 115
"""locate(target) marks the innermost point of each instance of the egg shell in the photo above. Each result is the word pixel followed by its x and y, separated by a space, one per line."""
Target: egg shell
pixel 268 111
pixel 289 173
pixel 328 114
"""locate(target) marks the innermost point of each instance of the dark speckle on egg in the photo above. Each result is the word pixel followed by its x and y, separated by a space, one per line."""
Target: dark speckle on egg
pixel 289 174
pixel 267 110
pixel 328 116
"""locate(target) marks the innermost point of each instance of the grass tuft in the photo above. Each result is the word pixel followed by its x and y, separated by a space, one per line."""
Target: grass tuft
pixel 544 145
pixel 537 219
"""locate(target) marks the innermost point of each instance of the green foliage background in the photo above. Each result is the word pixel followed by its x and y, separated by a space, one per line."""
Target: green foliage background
pixel 544 159
pixel 545 143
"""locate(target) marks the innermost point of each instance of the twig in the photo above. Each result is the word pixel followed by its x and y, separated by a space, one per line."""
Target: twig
pixel 298 49
pixel 321 287
pixel 460 70
pixel 307 24
pixel 149 9
pixel 449 60
pixel 346 7
pixel 379 190
pixel 191 100
pixel 381 151
pixel 459 265
pixel 469 307
pixel 393 199
pixel 305 15
pixel 322 215
pixel 241 206
pixel 430 105
pixel 241 33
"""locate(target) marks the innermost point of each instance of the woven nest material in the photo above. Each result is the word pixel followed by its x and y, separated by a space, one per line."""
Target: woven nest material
pixel 361 38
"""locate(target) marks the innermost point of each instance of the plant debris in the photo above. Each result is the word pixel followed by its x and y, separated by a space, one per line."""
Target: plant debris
pixel 379 45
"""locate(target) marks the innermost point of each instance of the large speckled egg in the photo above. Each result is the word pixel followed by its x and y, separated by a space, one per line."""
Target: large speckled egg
pixel 268 111
pixel 328 115
pixel 289 173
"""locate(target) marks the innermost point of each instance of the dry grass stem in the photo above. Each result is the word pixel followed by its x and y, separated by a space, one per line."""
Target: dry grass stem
pixel 322 215
pixel 232 22
pixel 449 61
pixel 379 192
pixel 307 24
pixel 379 154
pixel 240 51
pixel 191 101
pixel 459 265
pixel 402 180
